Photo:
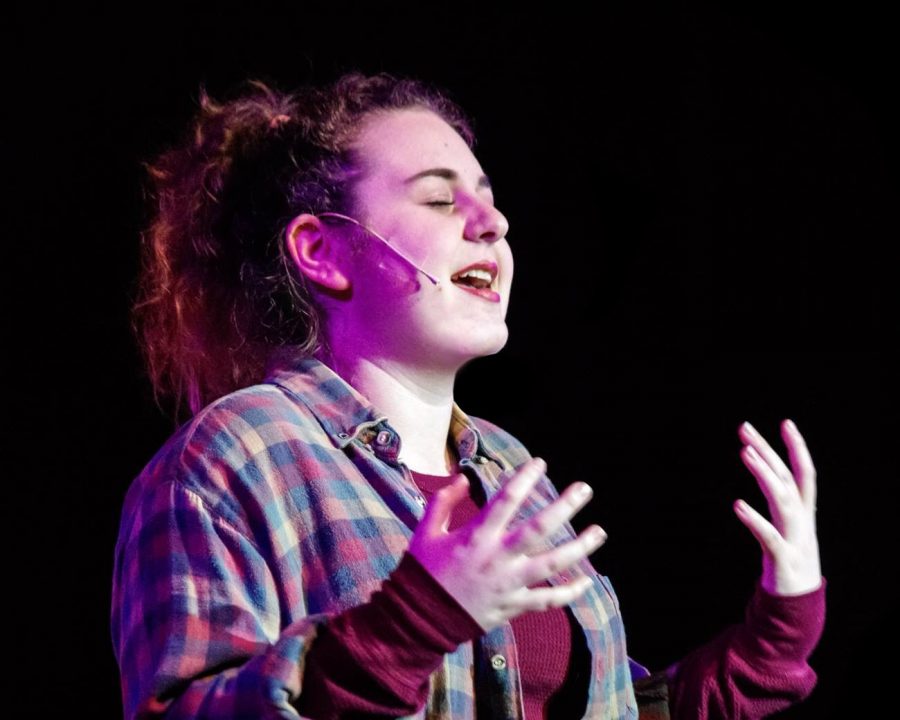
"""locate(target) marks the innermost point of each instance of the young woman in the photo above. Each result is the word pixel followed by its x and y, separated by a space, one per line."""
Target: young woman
pixel 330 534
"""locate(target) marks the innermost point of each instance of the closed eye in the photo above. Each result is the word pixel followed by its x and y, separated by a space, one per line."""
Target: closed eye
pixel 440 202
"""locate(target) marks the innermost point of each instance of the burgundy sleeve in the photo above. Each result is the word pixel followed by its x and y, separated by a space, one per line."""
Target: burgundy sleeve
pixel 376 658
pixel 756 668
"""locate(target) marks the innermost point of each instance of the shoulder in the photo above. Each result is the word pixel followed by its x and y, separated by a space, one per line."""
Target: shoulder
pixel 246 423
pixel 230 451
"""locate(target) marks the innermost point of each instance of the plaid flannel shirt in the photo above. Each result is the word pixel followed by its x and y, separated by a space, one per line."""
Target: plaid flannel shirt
pixel 276 507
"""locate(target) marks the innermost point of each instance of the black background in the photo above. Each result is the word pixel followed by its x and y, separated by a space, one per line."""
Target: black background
pixel 701 202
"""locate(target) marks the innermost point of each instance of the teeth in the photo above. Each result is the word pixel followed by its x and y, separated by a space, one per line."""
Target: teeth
pixel 476 273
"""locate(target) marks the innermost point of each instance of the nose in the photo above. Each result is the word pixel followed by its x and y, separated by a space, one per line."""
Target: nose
pixel 485 222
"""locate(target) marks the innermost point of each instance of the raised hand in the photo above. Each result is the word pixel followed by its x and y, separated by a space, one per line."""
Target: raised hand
pixel 790 547
pixel 488 567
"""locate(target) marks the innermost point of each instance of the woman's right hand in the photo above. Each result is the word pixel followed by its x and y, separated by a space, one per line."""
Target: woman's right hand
pixel 487 567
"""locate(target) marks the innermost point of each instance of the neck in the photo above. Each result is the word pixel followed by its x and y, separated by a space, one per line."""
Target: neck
pixel 417 401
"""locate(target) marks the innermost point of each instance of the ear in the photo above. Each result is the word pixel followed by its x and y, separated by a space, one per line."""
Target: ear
pixel 314 253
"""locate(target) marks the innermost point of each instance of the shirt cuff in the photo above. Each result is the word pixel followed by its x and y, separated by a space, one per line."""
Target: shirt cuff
pixel 783 629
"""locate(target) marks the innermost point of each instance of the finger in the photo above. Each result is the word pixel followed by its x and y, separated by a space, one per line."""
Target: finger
pixel 752 437
pixel 437 512
pixel 765 533
pixel 549 563
pixel 801 461
pixel 495 516
pixel 542 598
pixel 531 535
pixel 772 486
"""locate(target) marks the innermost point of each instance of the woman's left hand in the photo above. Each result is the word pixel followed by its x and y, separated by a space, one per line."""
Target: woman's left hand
pixel 790 547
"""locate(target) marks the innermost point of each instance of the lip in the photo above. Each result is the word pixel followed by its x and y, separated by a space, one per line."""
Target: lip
pixel 488 293
pixel 488 265
pixel 485 293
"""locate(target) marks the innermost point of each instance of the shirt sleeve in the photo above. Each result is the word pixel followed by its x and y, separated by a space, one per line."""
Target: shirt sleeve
pixel 196 628
pixel 195 618
pixel 756 668
pixel 376 658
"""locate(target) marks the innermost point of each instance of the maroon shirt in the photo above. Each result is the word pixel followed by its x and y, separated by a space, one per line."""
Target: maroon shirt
pixel 376 658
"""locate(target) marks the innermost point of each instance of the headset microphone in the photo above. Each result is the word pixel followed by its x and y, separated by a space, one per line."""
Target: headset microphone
pixel 386 242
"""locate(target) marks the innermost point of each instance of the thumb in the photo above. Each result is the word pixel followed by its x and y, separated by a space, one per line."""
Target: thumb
pixel 437 512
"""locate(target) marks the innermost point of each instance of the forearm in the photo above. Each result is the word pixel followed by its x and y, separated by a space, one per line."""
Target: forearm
pixel 756 668
pixel 376 658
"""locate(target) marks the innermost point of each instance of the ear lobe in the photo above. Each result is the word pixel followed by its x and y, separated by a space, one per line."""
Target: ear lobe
pixel 315 253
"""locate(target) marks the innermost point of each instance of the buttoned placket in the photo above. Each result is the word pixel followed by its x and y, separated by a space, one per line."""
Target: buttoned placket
pixel 382 441
pixel 497 648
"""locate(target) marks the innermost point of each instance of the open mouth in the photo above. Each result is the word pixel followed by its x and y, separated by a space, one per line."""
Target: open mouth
pixel 479 279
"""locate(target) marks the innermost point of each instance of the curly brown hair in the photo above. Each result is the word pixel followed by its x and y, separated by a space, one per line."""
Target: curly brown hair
pixel 217 298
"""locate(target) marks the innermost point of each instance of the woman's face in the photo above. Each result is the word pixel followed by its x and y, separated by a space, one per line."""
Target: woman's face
pixel 423 190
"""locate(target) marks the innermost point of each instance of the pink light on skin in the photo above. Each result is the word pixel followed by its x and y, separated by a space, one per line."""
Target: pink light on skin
pixel 427 205
pixel 490 267
pixel 387 242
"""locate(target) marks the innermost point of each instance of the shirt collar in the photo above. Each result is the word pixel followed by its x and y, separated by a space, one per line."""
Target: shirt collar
pixel 347 415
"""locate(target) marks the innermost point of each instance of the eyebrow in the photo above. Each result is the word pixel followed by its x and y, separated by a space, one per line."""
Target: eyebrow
pixel 447 174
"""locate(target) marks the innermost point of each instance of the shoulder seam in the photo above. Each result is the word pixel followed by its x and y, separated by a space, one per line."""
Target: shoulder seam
pixel 216 517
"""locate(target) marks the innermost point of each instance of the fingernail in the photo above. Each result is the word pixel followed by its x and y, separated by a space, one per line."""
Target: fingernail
pixel 791 426
pixel 584 490
pixel 598 534
pixel 749 428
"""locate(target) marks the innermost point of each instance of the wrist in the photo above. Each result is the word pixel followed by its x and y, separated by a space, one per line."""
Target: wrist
pixel 791 587
pixel 791 578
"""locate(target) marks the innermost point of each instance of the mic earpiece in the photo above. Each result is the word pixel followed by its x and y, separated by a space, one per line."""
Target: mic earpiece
pixel 397 252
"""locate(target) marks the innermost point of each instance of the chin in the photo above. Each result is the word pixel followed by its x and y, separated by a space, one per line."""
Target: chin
pixel 457 347
pixel 489 344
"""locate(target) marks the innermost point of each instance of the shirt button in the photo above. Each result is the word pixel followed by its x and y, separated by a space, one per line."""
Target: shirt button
pixel 498 662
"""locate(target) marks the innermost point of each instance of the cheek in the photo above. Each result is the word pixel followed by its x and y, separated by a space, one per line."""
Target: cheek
pixel 384 278
pixel 506 280
pixel 507 267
